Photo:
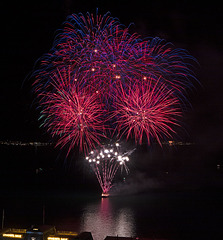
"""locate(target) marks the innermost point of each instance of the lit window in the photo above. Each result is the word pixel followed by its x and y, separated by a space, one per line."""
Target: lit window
pixel 12 235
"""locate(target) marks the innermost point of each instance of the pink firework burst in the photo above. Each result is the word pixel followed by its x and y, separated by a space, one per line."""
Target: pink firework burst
pixel 74 114
pixel 150 110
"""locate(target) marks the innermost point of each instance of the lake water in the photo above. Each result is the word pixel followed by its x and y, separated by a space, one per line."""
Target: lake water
pixel 172 215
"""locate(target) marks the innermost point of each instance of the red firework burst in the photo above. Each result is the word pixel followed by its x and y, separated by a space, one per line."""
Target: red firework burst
pixel 150 110
pixel 74 114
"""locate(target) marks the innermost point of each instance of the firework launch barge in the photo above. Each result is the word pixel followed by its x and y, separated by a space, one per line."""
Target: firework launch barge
pixel 105 195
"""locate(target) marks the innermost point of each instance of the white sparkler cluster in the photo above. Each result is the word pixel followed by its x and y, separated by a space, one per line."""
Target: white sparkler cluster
pixel 108 152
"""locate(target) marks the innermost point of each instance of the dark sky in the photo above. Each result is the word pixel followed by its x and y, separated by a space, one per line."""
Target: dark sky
pixel 29 29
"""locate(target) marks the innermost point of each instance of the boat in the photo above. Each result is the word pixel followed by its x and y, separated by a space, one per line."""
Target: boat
pixel 105 195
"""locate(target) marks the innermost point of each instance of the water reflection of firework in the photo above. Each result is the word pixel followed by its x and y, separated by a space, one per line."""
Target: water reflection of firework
pixel 102 219
pixel 105 162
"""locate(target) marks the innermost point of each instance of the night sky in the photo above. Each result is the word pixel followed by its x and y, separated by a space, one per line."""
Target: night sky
pixel 29 29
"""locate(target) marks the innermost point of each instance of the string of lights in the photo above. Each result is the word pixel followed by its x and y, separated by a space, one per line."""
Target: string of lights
pixel 20 143
pixel 43 144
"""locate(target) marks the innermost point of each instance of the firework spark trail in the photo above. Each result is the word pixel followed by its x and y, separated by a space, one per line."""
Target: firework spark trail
pixel 113 170
pixel 103 179
pixel 97 172
pixel 104 176
pixel 110 170
pixel 105 163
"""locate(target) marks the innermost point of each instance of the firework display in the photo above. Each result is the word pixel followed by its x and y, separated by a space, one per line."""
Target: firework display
pixel 99 80
pixel 150 109
pixel 105 162
pixel 74 113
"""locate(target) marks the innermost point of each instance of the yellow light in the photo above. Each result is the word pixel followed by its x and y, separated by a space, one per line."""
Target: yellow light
pixel 12 235
pixel 56 238
pixel 67 233
pixel 93 69
pixel 53 238
pixel 144 78
pixel 105 195
pixel 113 65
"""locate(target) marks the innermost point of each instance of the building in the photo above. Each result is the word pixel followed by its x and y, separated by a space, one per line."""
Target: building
pixel 40 232
pixel 12 234
pixel 43 232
